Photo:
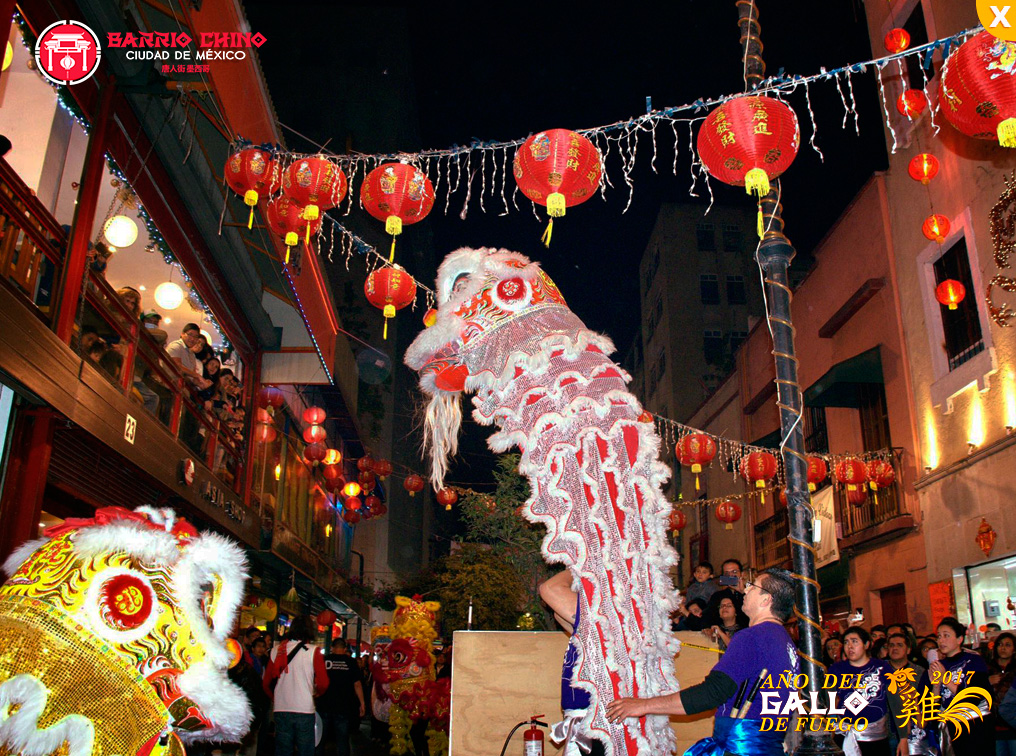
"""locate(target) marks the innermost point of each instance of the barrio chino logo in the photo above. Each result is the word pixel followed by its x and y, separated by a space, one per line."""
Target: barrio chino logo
pixel 999 19
pixel 67 52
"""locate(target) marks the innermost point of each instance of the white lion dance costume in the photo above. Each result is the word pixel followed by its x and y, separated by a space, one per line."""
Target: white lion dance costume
pixel 113 637
pixel 504 331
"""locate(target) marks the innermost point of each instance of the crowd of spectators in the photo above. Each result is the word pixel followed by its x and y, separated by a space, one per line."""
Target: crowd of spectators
pixel 214 389
pixel 712 604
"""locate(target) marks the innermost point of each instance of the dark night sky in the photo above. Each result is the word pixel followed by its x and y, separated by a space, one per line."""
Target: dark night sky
pixel 402 78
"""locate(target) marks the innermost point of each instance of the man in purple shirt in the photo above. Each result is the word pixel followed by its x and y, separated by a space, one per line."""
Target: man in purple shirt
pixel 763 645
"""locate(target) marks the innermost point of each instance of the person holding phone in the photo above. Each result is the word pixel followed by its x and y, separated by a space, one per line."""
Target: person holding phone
pixel 731 585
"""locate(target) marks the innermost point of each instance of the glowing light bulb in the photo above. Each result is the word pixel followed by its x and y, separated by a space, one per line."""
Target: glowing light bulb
pixel 8 57
pixel 168 295
pixel 120 231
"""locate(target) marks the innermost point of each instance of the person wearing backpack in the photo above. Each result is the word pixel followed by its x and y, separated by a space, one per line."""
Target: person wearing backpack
pixel 296 675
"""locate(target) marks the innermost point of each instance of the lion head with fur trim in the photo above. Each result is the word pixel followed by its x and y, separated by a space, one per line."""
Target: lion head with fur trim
pixel 113 637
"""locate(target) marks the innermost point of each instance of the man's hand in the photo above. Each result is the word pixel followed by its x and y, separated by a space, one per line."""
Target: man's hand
pixel 902 749
pixel 363 712
pixel 625 708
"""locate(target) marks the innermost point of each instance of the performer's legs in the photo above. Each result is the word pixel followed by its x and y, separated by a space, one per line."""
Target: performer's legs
pixel 284 732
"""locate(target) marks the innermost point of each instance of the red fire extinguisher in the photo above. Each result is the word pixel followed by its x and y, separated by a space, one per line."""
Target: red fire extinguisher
pixel 533 737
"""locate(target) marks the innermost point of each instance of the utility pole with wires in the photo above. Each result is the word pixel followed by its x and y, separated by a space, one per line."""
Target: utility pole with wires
pixel 774 256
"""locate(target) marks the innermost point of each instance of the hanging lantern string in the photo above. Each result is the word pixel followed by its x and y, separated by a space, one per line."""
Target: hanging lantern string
pixel 777 84
pixel 365 248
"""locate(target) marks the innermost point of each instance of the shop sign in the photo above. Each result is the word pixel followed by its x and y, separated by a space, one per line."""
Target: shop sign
pixel 129 429
pixel 218 498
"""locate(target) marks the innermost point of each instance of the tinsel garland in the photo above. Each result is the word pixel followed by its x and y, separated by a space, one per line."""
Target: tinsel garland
pixel 1002 227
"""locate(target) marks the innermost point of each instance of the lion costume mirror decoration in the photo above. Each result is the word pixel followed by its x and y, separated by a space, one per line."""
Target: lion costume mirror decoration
pixel 504 331
pixel 113 637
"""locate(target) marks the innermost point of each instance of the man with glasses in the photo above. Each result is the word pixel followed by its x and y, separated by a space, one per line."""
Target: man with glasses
pixel 763 645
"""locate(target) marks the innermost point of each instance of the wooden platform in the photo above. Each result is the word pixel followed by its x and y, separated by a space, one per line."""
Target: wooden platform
pixel 502 678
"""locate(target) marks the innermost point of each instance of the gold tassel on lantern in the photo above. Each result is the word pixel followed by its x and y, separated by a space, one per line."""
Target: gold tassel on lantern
pixel 250 199
pixel 393 226
pixel 696 468
pixel 291 241
pixel 311 213
pixel 556 206
pixel 389 312
pixel 756 181
pixel 1007 132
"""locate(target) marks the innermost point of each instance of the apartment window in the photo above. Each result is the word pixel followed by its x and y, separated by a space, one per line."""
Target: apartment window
pixel 709 287
pixel 816 433
pixel 874 417
pixel 651 268
pixel 962 326
pixel 915 26
pixel 712 346
pixel 736 339
pixel 736 293
pixel 733 238
pixel 655 315
pixel 661 365
pixel 705 233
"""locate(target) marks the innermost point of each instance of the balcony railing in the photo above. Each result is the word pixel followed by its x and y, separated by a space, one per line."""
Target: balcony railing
pixel 32 245
pixel 772 549
pixel 883 511
pixel 32 250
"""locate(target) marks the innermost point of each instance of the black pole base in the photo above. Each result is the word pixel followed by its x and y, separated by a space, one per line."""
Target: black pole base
pixel 818 744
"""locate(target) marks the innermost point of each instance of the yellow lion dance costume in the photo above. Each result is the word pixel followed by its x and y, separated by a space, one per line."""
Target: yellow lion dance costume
pixel 411 673
pixel 113 635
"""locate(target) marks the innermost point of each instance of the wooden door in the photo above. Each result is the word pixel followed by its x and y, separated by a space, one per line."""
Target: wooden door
pixel 894 605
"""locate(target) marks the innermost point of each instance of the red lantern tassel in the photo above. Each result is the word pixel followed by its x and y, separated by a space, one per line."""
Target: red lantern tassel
pixel 250 219
pixel 697 487
pixel 391 256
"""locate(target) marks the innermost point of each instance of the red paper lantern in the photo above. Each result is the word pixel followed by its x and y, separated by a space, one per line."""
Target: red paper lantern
pixel 327 618
pixel 285 218
pixel 380 510
pixel 678 521
pixel 314 415
pixel 353 503
pixel 748 141
pixel 270 396
pixel 315 183
pixel 759 468
pixel 977 92
pixel 330 471
pixel 382 468
pixel 448 497
pixel 314 453
pixel 923 167
pixel 646 416
pixel 351 515
pixel 335 484
pixel 817 472
pixel 858 497
pixel 696 451
pixel 936 228
pixel 252 173
pixel 851 472
pixel 372 502
pixel 414 484
pixel 314 434
pixel 950 293
pixel 398 194
pixel 558 169
pixel 351 489
pixel 365 463
pixel 911 103
pixel 332 457
pixel 897 40
pixel 728 512
pixel 389 289
pixel 783 496
pixel 880 474
pixel 265 433
pixel 367 480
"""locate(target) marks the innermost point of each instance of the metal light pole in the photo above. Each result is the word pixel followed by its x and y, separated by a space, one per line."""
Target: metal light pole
pixel 774 255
